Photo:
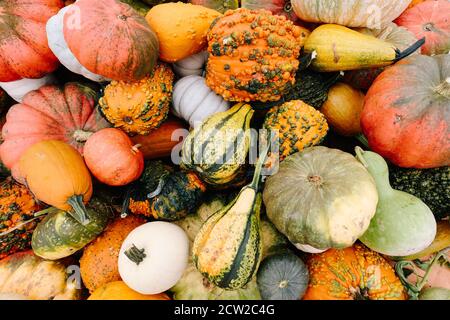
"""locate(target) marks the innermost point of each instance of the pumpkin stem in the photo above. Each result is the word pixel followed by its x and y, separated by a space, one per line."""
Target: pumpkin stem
pixel 45 211
pixel 79 211
pixel 399 55
pixel 444 88
pixel 81 135
pixel 135 148
pixel 363 140
pixel 134 254
pixel 157 191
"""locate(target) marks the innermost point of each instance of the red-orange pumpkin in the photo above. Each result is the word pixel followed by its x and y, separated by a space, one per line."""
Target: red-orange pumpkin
pixel 50 113
pixel 111 39
pixel 112 158
pixel 406 114
pixel 24 52
pixel 429 19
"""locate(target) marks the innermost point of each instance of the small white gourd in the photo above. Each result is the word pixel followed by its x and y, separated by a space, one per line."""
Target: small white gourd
pixel 192 65
pixel 194 101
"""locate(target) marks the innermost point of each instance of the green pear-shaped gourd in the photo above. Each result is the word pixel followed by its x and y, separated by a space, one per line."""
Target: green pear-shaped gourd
pixel 403 224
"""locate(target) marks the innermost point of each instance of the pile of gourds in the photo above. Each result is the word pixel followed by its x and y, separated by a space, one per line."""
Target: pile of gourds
pixel 220 150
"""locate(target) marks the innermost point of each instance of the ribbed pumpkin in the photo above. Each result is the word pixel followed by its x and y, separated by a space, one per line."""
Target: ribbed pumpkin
pixel 399 37
pixel 103 39
pixel 355 273
pixel 299 126
pixel 321 197
pixel 253 55
pixel 217 149
pixel 181 28
pixel 406 112
pixel 164 194
pixel 139 107
pixel 24 52
pixel 351 13
pixel 17 208
pixel 429 19
pixel 51 113
pixel 56 174
pixel 98 264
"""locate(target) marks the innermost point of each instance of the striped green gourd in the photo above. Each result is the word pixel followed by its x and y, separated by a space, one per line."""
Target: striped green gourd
pixel 216 150
pixel 227 250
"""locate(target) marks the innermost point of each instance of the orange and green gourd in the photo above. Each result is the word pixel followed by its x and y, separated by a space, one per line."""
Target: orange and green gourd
pixel 253 55
pixel 142 106
pixel 17 208
pixel 299 126
pixel 354 273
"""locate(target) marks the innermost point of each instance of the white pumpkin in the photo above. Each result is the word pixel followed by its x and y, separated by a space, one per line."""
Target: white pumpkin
pixel 192 65
pixel 194 101
pixel 153 257
pixel 372 14
pixel 19 88
pixel 57 43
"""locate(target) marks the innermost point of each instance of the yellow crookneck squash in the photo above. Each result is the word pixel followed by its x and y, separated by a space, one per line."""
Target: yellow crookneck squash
pixel 339 48
pixel 56 174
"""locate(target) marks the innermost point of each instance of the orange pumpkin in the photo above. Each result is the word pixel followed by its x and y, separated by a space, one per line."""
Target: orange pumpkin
pixel 429 19
pixel 99 262
pixel 68 114
pixel 24 52
pixel 118 290
pixel 110 39
pixel 181 28
pixel 354 273
pixel 112 158
pixel 160 142
pixel 343 109
pixel 253 55
pixel 56 174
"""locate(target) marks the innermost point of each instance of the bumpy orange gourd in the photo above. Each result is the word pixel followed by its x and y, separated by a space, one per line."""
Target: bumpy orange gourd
pixel 253 55
pixel 56 174
pixel 354 273
pixel 181 28
pixel 98 264
pixel 118 290
pixel 139 107
pixel 299 125
pixel 343 109
pixel 17 206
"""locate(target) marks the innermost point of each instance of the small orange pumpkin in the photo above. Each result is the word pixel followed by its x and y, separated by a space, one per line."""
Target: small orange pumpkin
pixel 118 290
pixel 56 174
pixel 343 109
pixel 355 273
pixel 112 158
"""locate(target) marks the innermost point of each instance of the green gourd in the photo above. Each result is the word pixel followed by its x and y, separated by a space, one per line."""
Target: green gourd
pixel 403 224
pixel 59 235
pixel 228 248
pixel 217 149
pixel 435 294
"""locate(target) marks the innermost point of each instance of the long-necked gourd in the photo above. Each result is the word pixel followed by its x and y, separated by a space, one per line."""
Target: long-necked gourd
pixel 403 224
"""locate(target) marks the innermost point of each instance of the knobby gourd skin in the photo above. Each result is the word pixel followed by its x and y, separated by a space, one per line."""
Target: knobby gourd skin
pixel 354 273
pixel 253 55
pixel 321 197
pixel 142 106
pixel 299 126
pixel 174 194
pixel 17 206
pixel 216 150
pixel 24 52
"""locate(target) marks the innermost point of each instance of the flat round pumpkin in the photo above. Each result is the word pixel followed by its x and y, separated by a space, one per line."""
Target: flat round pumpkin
pixel 111 39
pixel 24 52
pixel 321 197
pixel 406 115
